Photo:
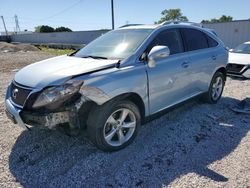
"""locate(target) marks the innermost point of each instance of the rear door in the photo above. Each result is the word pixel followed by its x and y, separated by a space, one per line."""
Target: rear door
pixel 169 81
pixel 203 57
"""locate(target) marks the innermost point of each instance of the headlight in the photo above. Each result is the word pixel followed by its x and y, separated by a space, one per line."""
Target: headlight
pixel 58 93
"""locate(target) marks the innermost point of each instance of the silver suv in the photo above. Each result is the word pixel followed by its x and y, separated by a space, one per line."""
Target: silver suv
pixel 118 80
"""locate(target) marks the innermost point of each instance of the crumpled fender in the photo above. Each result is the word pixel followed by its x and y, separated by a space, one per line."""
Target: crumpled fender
pixel 94 94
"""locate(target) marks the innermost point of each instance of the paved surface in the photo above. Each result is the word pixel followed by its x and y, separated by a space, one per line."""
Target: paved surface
pixel 195 145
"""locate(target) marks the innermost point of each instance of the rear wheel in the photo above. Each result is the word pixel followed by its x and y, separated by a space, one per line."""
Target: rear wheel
pixel 114 125
pixel 216 88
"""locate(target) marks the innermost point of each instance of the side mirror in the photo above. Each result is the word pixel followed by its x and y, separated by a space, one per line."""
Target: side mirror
pixel 157 52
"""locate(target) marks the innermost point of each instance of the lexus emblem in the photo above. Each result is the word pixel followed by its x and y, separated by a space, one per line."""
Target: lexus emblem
pixel 14 93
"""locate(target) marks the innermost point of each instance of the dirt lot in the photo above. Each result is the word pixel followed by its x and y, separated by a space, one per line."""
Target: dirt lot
pixel 195 145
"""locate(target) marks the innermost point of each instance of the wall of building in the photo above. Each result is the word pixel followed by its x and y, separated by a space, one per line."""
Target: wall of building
pixel 232 33
pixel 77 37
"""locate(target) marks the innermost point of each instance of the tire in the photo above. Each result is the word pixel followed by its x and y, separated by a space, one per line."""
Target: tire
pixel 104 120
pixel 210 96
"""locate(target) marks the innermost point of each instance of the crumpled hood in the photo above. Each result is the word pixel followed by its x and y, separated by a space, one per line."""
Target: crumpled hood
pixel 44 73
pixel 238 58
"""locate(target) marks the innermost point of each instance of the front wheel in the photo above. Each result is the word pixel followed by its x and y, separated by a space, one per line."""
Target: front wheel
pixel 114 125
pixel 216 88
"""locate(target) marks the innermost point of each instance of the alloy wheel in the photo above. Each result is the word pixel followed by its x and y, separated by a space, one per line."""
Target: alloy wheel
pixel 217 88
pixel 119 127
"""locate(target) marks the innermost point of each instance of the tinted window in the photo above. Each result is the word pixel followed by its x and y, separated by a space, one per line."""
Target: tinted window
pixel 195 39
pixel 170 38
pixel 211 42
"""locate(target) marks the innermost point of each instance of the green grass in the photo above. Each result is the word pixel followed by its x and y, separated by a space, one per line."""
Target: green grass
pixel 56 51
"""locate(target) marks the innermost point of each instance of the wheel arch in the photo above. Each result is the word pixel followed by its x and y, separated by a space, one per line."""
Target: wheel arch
pixel 133 97
pixel 223 70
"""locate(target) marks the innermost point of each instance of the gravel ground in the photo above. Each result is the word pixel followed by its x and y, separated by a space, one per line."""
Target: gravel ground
pixel 195 145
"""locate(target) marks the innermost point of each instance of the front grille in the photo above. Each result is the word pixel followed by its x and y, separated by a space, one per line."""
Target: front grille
pixel 19 93
pixel 234 68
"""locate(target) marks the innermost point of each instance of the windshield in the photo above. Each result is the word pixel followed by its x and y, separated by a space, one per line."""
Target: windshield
pixel 243 48
pixel 117 44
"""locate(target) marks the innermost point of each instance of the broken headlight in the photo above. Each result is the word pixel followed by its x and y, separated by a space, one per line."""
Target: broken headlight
pixel 58 93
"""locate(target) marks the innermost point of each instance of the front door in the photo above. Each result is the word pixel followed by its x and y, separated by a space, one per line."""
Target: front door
pixel 169 81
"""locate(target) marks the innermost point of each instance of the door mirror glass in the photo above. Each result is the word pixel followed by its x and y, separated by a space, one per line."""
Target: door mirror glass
pixel 157 52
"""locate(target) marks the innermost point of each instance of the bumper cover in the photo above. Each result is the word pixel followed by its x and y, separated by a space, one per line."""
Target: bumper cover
pixel 51 119
pixel 66 113
pixel 244 73
pixel 14 114
pixel 46 120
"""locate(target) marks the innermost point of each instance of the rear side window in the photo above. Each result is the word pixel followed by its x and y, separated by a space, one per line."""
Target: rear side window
pixel 195 39
pixel 211 42
pixel 170 38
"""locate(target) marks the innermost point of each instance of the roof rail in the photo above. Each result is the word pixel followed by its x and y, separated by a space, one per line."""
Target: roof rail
pixel 181 22
pixel 129 25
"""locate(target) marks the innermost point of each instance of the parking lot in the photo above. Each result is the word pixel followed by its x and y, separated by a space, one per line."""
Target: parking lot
pixel 194 145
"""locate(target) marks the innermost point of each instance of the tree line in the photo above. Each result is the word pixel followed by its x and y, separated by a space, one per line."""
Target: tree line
pixel 49 29
pixel 167 15
pixel 176 15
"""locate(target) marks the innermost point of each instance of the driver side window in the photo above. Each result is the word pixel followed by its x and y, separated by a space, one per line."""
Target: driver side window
pixel 170 38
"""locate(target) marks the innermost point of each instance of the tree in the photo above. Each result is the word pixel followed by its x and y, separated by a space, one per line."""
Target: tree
pixel 44 29
pixel 38 28
pixel 63 29
pixel 172 15
pixel 223 18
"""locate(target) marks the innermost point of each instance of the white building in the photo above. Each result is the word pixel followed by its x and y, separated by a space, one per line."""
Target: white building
pixel 232 33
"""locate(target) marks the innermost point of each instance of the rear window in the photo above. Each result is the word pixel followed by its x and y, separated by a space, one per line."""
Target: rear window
pixel 195 39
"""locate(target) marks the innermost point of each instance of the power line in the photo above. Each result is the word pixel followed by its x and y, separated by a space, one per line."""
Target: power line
pixel 62 11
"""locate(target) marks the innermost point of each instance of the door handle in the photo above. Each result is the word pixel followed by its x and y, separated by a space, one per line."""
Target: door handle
pixel 214 57
pixel 185 64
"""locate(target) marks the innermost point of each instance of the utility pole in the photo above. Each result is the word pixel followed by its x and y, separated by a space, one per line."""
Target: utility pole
pixel 4 26
pixel 17 24
pixel 112 11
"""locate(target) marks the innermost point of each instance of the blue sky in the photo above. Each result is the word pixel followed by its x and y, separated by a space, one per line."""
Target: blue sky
pixel 96 14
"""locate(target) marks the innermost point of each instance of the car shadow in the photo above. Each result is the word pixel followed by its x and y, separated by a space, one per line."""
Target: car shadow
pixel 172 145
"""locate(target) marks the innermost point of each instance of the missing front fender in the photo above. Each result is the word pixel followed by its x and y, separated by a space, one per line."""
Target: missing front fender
pixel 94 94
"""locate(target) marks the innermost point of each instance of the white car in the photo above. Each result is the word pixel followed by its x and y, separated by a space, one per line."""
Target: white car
pixel 239 61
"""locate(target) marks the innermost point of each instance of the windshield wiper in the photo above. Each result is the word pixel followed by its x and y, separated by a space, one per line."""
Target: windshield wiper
pixel 73 53
pixel 94 57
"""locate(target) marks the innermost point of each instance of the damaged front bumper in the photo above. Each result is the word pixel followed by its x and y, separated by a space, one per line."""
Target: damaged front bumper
pixel 73 111
pixel 13 113
pixel 45 118
pixel 41 119
pixel 243 73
